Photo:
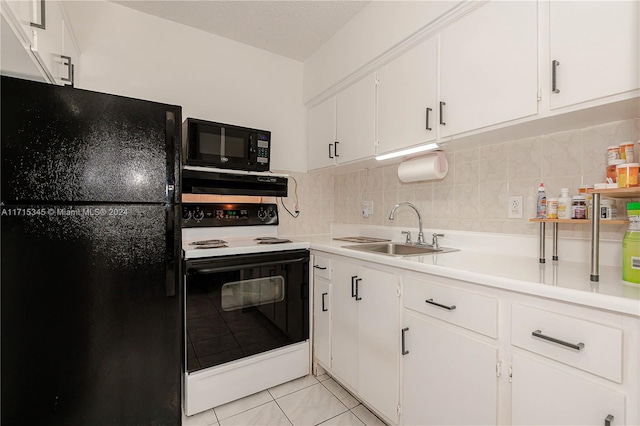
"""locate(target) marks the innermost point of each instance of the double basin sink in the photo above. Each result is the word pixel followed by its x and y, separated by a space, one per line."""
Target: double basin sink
pixel 399 249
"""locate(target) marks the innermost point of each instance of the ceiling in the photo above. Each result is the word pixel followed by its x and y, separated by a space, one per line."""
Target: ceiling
pixel 291 28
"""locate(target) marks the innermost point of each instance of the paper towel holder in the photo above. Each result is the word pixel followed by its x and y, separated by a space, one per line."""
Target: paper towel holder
pixel 431 166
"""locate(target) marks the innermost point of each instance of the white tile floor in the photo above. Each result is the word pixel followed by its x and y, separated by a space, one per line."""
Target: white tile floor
pixel 305 401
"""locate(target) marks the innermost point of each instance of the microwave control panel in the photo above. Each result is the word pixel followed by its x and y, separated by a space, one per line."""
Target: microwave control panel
pixel 263 148
pixel 228 214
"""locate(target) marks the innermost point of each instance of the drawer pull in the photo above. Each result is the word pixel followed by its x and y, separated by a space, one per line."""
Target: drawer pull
pixel 608 420
pixel 322 268
pixel 538 333
pixel 404 351
pixel 449 308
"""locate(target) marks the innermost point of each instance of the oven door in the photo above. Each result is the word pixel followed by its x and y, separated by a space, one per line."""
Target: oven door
pixel 238 306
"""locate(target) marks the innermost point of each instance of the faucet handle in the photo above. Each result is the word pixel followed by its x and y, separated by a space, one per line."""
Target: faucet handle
pixel 408 239
pixel 434 241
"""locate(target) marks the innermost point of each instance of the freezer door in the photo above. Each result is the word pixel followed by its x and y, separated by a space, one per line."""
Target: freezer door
pixel 91 315
pixel 61 144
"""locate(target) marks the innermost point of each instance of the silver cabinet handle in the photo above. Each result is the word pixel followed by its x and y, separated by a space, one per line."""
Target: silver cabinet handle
pixel 427 126
pixel 69 77
pixel 404 351
pixel 41 25
pixel 554 86
pixel 442 104
pixel 608 420
pixel 449 308
pixel 538 333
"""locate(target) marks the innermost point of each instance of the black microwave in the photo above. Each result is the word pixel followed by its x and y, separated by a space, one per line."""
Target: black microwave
pixel 225 146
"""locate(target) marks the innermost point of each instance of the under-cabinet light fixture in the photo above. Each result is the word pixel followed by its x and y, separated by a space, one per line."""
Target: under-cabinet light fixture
pixel 422 148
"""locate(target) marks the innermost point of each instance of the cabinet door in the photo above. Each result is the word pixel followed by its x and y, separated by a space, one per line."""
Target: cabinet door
pixel 21 14
pixel 47 45
pixel 379 348
pixel 449 377
pixel 356 121
pixel 596 45
pixel 321 128
pixel 322 322
pixel 344 336
pixel 488 67
pixel 69 71
pixel 547 395
pixel 407 113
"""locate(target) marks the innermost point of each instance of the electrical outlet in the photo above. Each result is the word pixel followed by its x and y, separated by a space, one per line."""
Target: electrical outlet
pixel 367 208
pixel 515 207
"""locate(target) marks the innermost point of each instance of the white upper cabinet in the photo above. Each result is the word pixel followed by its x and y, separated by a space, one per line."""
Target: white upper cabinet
pixel 407 102
pixel 321 128
pixel 342 128
pixel 488 67
pixel 44 33
pixel 356 119
pixel 594 49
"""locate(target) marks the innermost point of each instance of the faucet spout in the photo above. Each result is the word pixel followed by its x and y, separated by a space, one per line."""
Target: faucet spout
pixel 420 241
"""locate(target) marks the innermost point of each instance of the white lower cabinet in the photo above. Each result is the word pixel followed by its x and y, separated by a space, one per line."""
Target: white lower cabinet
pixel 449 376
pixel 572 366
pixel 365 334
pixel 450 352
pixel 322 322
pixel 449 372
pixel 545 394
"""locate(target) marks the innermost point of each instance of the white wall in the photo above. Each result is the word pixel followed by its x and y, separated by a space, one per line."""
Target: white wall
pixel 129 53
pixel 372 32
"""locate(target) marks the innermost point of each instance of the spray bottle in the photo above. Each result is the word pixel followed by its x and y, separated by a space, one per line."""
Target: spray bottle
pixel 541 205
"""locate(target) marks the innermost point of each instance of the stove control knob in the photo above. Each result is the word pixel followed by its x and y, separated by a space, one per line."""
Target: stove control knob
pixel 187 214
pixel 262 214
pixel 272 213
pixel 198 215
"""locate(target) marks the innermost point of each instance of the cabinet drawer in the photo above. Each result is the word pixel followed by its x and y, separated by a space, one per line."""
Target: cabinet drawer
pixel 469 310
pixel 322 267
pixel 582 344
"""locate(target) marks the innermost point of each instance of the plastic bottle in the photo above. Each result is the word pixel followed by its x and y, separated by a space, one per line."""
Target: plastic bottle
pixel 541 205
pixel 552 208
pixel 564 204
pixel 631 246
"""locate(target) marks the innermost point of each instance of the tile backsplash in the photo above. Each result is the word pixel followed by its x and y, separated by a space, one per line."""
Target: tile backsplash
pixel 474 194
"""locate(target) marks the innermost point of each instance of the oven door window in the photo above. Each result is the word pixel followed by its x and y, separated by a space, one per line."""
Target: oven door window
pixel 235 312
pixel 254 292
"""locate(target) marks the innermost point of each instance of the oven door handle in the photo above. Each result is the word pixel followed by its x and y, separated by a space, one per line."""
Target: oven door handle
pixel 205 269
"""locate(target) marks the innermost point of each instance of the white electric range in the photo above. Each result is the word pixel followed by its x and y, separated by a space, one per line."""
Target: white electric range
pixel 247 303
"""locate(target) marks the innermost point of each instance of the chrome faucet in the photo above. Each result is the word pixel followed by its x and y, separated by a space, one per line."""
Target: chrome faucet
pixel 420 241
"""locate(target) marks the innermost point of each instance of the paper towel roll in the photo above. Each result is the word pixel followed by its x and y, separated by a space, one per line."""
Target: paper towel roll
pixel 428 167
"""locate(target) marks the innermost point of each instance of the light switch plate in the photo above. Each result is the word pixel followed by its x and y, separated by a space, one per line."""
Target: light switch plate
pixel 515 207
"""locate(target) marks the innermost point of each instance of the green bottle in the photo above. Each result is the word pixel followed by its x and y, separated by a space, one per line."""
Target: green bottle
pixel 631 246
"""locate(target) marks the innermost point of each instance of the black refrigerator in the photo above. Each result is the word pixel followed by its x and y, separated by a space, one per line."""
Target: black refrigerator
pixel 91 300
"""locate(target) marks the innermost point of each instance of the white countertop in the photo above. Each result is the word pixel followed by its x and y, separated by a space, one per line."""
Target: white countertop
pixel 563 280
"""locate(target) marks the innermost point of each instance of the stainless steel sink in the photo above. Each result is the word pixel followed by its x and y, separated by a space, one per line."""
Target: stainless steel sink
pixel 399 249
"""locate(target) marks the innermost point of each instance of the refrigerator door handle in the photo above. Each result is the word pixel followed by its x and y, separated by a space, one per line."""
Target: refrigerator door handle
pixel 170 141
pixel 171 255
